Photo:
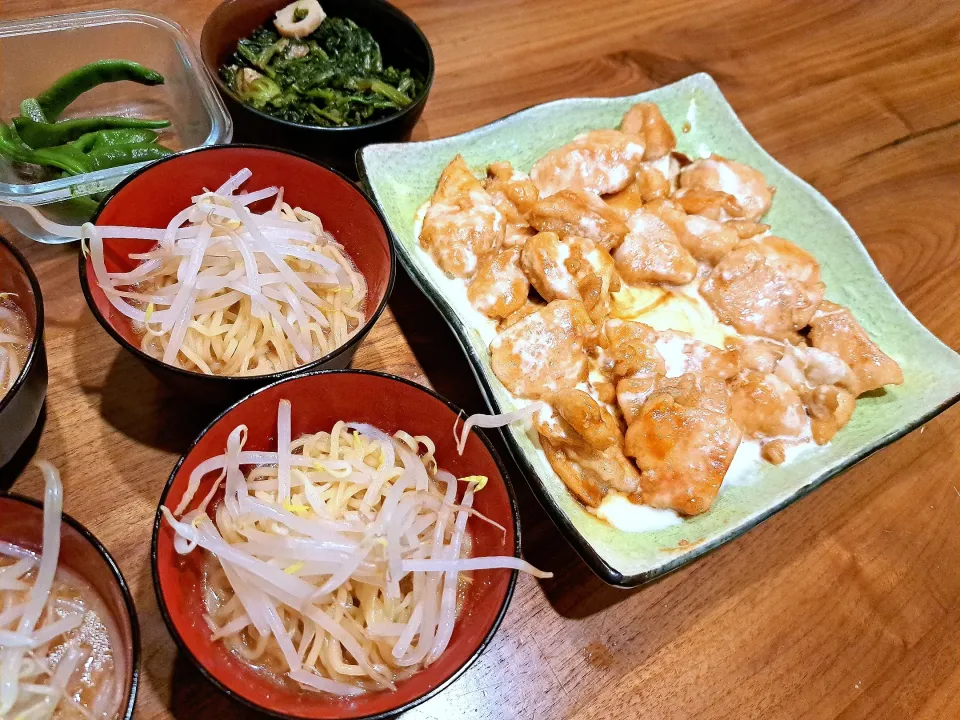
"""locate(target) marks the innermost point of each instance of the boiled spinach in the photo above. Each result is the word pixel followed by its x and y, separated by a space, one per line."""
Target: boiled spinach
pixel 333 77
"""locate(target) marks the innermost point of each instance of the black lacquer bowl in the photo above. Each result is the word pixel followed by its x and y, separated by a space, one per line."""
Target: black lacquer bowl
pixel 20 407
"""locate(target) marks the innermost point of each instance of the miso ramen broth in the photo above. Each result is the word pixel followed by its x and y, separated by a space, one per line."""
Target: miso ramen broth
pixel 222 605
pixel 15 336
pixel 338 562
pixel 59 648
pixel 92 689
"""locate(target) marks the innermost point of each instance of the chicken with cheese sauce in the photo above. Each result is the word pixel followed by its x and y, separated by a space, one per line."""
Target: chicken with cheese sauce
pixel 640 297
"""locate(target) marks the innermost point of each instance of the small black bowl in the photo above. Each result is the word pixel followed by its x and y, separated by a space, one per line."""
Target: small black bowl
pixel 402 44
pixel 20 407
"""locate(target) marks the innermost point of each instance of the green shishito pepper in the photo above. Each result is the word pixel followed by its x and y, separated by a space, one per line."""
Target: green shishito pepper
pixel 30 108
pixel 69 87
pixel 41 135
pixel 85 144
pixel 117 155
pixel 106 138
pixel 73 160
pixel 81 204
pixel 66 158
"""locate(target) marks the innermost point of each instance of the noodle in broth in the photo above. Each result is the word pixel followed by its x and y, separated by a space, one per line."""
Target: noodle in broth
pixel 338 562
pixel 227 290
pixel 57 638
pixel 236 333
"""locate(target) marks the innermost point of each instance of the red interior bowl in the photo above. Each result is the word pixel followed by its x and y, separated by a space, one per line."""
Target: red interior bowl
pixel 391 404
pixel 153 195
pixel 21 523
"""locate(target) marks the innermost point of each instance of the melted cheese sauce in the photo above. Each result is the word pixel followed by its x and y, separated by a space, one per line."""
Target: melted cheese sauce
pixel 681 308
pixel 627 516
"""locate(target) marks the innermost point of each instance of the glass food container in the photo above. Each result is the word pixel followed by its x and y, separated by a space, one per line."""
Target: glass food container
pixel 36 51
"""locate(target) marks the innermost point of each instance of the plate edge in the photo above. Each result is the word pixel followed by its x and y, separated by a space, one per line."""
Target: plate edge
pixel 594 560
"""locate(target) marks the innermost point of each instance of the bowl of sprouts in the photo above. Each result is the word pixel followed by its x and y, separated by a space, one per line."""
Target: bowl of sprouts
pixel 324 77
pixel 340 544
pixel 23 359
pixel 227 268
pixel 69 637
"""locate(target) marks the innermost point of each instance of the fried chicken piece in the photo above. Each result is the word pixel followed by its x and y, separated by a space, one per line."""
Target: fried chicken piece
pixel 582 214
pixel 651 252
pixel 590 474
pixel 545 352
pixel 599 161
pixel 587 417
pixel 770 287
pixel 513 195
pixel 618 332
pixel 529 307
pixel 632 394
pixel 572 268
pixel 705 239
pixel 759 354
pixel 829 408
pixel 827 386
pixel 633 363
pixel 462 223
pixel 684 441
pixel 774 451
pixel 746 229
pixel 584 445
pixel 656 180
pixel 711 204
pixel 835 330
pixel 499 288
pixel 764 406
pixel 644 120
pixel 503 181
pixel 804 368
pixel 683 353
pixel 743 182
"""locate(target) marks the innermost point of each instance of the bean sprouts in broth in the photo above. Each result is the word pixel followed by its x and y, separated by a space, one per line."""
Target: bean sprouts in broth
pixel 57 639
pixel 230 291
pixel 338 562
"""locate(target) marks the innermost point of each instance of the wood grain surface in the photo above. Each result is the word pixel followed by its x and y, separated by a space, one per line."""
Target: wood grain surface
pixel 845 605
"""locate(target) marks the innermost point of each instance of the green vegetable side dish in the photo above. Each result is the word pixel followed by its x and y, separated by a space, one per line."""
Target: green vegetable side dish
pixel 40 135
pixel 310 69
pixel 82 145
pixel 69 87
pixel 108 138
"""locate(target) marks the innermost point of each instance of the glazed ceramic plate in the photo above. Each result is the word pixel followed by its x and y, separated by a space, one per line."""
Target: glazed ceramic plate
pixel 402 177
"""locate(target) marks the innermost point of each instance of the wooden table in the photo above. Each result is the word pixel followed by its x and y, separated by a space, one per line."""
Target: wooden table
pixel 846 604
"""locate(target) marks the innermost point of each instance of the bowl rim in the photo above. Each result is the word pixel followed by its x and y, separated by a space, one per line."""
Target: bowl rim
pixel 498 620
pixel 387 7
pixel 240 380
pixel 36 340
pixel 121 583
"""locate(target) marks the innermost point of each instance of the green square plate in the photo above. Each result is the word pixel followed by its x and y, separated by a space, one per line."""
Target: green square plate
pixel 401 177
